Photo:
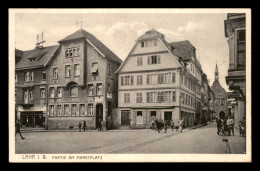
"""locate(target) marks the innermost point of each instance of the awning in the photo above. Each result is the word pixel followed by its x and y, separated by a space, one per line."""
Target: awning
pixel 94 69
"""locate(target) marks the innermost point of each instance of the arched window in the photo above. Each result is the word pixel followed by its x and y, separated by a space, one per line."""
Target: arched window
pixel 74 91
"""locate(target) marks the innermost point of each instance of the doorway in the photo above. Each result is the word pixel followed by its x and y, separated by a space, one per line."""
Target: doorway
pixel 167 116
pixel 99 112
pixel 222 115
pixel 125 117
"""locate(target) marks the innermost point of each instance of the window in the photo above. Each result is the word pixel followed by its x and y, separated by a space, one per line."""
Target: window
pixel 109 88
pixel 90 110
pixel 42 92
pixel 164 78
pixel 55 73
pixel 26 76
pixel 109 70
pixel 174 96
pixel 127 97
pixel 149 43
pixel 26 96
pixel 59 110
pixel 43 75
pixel 51 92
pixel 74 91
pixel 76 70
pixel 99 89
pixel 241 49
pixel 72 52
pixel 82 109
pixel 74 110
pixel 151 79
pixel 142 44
pixel 127 80
pixel 67 110
pixel 51 110
pixel 139 97
pixel 167 96
pixel 161 96
pixel 139 61
pixel 32 59
pixel 67 71
pixel 156 59
pixel 30 95
pixel 139 113
pixel 173 77
pixel 94 69
pixel 59 89
pixel 90 90
pixel 139 80
pixel 139 117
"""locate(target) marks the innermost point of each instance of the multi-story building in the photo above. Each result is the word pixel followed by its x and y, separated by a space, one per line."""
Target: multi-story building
pixel 235 31
pixel 158 80
pixel 31 85
pixel 72 82
pixel 220 98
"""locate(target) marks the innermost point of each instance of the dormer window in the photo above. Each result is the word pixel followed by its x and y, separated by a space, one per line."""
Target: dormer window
pixel 32 59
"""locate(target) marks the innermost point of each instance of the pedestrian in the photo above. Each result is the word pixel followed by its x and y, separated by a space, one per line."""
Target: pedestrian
pixel 242 127
pixel 225 125
pixel 165 126
pixel 153 127
pixel 17 130
pixel 172 125
pixel 99 124
pixel 181 125
pixel 230 124
pixel 79 126
pixel 158 125
pixel 84 125
pixel 218 125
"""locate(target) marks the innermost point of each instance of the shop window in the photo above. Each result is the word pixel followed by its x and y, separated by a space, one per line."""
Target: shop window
pixel 139 117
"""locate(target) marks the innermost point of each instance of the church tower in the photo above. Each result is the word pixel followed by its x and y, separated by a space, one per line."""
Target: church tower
pixel 216 73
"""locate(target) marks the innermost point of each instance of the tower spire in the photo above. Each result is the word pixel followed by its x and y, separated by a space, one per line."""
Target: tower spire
pixel 216 73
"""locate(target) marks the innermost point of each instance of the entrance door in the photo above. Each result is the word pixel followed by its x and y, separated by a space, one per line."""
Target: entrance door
pixel 99 112
pixel 168 116
pixel 27 119
pixel 125 117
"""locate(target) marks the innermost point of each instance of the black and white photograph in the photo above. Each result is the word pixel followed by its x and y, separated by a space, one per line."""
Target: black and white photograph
pixel 129 85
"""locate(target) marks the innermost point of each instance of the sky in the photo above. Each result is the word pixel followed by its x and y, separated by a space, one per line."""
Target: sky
pixel 118 31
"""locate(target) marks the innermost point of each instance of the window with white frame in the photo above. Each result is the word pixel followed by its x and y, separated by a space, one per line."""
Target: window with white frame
pixel 72 52
pixel 26 76
pixel 139 97
pixel 139 61
pixel 164 78
pixel 30 95
pixel 59 90
pixel 59 110
pixel 51 92
pixel 31 76
pixel 99 89
pixel 76 70
pixel 90 110
pixel 127 80
pixel 42 92
pixel 55 73
pixel 74 91
pixel 67 71
pixel 155 59
pixel 82 109
pixel 51 110
pixel 167 96
pixel 149 43
pixel 90 90
pixel 139 80
pixel 151 79
pixel 66 110
pixel 126 97
pixel 74 109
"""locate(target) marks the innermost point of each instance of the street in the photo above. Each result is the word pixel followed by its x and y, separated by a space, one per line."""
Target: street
pixel 200 140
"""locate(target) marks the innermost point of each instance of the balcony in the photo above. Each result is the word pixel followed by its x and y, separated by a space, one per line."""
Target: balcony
pixel 25 103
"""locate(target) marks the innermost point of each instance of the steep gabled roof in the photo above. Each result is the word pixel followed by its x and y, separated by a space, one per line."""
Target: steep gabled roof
pixel 183 49
pixel 41 55
pixel 18 53
pixel 98 44
pixel 219 88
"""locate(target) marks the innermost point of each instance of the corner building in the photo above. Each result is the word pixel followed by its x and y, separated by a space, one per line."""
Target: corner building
pixel 154 81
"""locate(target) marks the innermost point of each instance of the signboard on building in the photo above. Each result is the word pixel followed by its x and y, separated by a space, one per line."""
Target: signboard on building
pixel 99 99
pixel 109 95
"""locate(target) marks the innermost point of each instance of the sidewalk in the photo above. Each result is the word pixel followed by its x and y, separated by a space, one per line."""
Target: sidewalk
pixel 237 144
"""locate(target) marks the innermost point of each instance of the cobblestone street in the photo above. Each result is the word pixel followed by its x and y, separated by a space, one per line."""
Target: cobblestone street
pixel 199 140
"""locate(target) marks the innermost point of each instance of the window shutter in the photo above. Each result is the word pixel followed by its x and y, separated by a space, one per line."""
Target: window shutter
pixel 141 80
pixel 159 97
pixel 159 59
pixel 148 97
pixel 173 96
pixel 173 77
pixel 149 60
pixel 122 80
pixel 132 80
pixel 148 79
pixel 159 78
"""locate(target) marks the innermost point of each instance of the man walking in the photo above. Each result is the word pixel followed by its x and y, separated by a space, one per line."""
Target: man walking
pixel 158 125
pixel 180 125
pixel 79 126
pixel 165 126
pixel 17 130
pixel 172 125
pixel 84 125
pixel 218 124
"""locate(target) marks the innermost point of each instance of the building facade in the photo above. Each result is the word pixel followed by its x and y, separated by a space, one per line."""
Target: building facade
pixel 79 83
pixel 220 98
pixel 158 80
pixel 235 31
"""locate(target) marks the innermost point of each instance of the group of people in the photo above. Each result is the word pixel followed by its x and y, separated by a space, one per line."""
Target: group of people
pixel 226 126
pixel 159 124
pixel 99 125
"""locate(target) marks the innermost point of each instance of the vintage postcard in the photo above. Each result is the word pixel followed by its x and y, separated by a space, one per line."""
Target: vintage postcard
pixel 129 85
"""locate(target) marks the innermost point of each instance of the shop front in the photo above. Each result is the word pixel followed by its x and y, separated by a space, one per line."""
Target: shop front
pixel 32 119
